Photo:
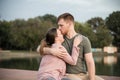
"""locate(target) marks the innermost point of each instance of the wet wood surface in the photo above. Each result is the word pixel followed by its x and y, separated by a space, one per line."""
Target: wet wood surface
pixel 16 74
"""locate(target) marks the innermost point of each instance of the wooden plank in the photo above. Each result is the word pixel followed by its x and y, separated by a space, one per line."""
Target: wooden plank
pixel 15 74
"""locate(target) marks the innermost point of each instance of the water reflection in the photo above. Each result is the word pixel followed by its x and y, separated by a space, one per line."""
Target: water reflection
pixel 23 63
pixel 105 65
pixel 110 60
pixel 98 59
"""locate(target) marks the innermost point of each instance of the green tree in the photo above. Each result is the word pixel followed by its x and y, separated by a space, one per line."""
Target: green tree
pixel 17 26
pixel 23 34
pixel 4 34
pixel 26 35
pixel 113 23
pixel 95 22
pixel 85 30
pixel 50 18
pixel 103 37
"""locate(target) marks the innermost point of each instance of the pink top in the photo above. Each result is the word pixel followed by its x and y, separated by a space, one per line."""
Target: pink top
pixel 52 66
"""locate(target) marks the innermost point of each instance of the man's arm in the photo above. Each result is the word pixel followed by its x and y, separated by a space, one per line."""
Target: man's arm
pixel 43 49
pixel 47 50
pixel 89 58
pixel 90 65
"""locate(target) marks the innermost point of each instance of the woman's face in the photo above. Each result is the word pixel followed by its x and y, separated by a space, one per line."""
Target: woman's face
pixel 59 36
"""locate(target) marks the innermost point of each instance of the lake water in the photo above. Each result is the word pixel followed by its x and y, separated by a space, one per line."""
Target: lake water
pixel 105 65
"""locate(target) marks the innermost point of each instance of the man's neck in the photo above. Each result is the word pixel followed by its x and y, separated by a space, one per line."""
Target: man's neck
pixel 71 34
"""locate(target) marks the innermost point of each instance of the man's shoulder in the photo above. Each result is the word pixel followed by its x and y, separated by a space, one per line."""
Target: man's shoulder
pixel 83 37
pixel 85 40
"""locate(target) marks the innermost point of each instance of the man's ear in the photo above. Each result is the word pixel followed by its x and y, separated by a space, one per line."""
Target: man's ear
pixel 70 23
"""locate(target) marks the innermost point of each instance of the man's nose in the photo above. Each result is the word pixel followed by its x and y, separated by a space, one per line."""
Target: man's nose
pixel 59 28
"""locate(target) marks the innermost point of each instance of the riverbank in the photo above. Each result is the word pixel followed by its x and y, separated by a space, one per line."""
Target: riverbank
pixel 7 54
pixel 17 54
pixel 16 74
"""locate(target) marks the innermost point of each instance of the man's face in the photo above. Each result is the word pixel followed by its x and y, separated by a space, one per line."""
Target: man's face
pixel 63 26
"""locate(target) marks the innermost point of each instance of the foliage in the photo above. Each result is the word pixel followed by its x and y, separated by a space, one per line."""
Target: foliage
pixel 113 23
pixel 99 36
pixel 101 32
pixel 23 34
pixel 4 34
pixel 95 22
pixel 104 37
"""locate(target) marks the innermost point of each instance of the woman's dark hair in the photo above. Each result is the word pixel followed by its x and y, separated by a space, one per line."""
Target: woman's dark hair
pixel 49 39
pixel 50 36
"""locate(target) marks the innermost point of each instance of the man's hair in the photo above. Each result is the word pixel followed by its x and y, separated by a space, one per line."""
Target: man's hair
pixel 66 16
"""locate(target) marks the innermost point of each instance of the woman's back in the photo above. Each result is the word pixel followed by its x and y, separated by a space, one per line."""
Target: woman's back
pixel 52 66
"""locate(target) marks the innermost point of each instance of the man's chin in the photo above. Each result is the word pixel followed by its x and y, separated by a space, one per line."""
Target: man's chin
pixel 62 40
pixel 63 33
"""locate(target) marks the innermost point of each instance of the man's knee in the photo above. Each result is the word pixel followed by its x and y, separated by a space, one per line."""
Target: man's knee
pixel 82 77
pixel 96 77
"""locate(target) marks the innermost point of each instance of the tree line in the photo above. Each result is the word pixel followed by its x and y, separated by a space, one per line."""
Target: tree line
pixel 23 34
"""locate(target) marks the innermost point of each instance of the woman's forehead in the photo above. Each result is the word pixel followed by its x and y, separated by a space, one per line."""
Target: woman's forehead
pixel 58 31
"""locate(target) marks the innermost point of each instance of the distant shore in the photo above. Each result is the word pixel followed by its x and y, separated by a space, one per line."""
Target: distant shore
pixel 7 54
pixel 17 54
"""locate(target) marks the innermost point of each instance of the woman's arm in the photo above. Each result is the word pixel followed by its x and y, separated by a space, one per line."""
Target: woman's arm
pixel 73 58
pixel 75 52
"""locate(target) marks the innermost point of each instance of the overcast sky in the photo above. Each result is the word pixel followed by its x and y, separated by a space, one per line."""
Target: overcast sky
pixel 82 10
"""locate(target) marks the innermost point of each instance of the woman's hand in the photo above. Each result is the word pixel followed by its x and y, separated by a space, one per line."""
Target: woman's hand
pixel 77 40
pixel 58 52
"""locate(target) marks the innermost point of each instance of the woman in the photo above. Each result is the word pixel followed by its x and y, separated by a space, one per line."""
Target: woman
pixel 52 67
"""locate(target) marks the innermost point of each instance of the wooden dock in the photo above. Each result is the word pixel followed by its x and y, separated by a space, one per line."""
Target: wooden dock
pixel 15 74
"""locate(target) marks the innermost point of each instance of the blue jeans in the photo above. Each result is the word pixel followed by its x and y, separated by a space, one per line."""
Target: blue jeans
pixel 51 78
pixel 65 79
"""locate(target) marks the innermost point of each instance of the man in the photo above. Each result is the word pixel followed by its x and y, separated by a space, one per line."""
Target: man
pixel 85 59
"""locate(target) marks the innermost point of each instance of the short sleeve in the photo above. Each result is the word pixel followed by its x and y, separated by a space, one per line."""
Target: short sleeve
pixel 86 45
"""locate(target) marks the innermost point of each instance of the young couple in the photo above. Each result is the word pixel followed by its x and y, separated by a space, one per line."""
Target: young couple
pixel 72 59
